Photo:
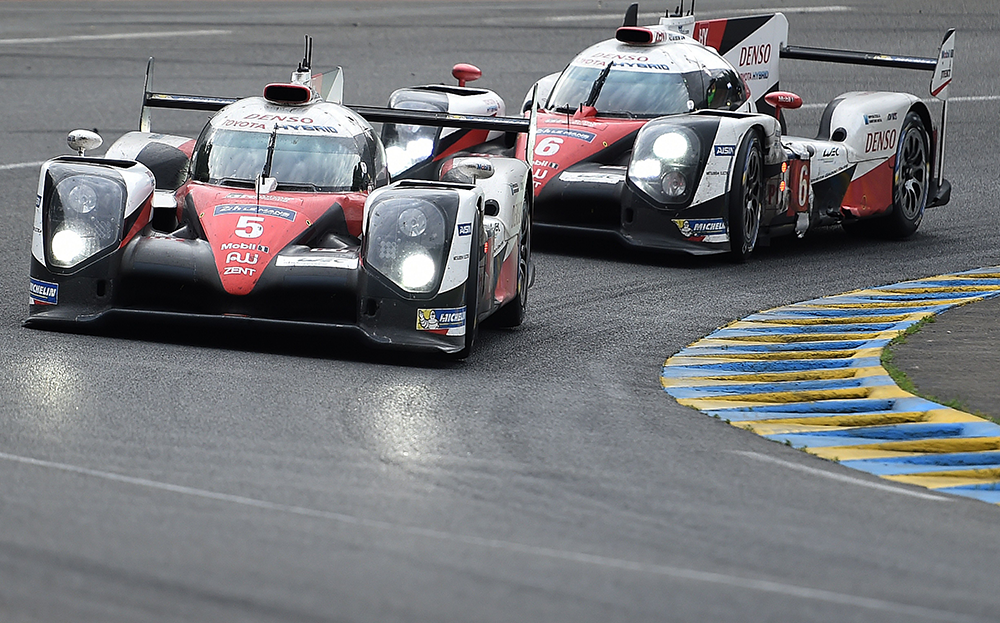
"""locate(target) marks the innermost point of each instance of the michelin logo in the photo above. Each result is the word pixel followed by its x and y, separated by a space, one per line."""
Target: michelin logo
pixel 43 292
pixel 440 319
pixel 700 227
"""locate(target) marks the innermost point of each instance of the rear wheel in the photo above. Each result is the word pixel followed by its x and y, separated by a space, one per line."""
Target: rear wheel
pixel 512 312
pixel 746 198
pixel 910 179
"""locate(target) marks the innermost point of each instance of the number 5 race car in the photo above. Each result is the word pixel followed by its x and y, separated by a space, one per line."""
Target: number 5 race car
pixel 669 137
pixel 281 211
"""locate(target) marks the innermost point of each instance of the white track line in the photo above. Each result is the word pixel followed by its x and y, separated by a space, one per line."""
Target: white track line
pixel 21 165
pixel 115 36
pixel 765 586
pixel 842 478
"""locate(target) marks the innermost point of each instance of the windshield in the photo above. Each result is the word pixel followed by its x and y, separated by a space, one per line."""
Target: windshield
pixel 311 163
pixel 625 93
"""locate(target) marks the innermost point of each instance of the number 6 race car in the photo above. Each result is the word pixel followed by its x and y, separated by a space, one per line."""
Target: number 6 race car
pixel 657 137
pixel 669 137
pixel 281 211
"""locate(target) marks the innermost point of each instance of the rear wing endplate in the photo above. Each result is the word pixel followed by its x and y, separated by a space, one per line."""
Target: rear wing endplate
pixel 373 114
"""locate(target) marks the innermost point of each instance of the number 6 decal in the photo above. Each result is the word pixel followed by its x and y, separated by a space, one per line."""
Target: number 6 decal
pixel 548 146
pixel 250 227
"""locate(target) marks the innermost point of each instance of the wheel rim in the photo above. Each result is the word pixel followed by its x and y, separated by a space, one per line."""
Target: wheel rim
pixel 752 185
pixel 524 254
pixel 911 181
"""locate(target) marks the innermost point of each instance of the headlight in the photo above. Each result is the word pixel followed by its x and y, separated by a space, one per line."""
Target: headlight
pixel 83 213
pixel 407 240
pixel 665 162
pixel 671 146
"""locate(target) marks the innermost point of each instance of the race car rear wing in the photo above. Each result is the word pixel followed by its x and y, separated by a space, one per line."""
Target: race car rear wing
pixel 374 114
pixel 750 43
pixel 940 81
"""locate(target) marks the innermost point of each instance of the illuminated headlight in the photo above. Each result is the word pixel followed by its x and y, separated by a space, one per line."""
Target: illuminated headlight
pixel 407 241
pixel 83 214
pixel 665 162
pixel 417 271
pixel 671 146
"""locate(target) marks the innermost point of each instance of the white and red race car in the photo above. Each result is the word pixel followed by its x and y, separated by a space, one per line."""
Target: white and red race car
pixel 282 212
pixel 669 137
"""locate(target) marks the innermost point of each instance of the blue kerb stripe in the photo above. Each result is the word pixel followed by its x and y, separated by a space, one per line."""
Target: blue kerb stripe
pixel 709 391
pixel 991 496
pixel 800 329
pixel 771 347
pixel 765 367
pixel 942 283
pixel 878 434
pixel 890 297
pixel 926 463
pixel 795 313
pixel 844 407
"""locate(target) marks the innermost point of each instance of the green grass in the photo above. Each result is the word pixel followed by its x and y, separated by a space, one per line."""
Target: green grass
pixel 904 381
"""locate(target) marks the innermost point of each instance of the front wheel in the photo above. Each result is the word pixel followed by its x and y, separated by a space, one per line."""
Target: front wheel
pixel 472 293
pixel 746 198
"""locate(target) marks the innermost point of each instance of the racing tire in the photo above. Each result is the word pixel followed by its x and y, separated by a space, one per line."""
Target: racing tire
pixel 511 314
pixel 472 293
pixel 746 198
pixel 911 180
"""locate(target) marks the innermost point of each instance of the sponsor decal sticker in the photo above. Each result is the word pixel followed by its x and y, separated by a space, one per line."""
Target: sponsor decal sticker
pixel 464 229
pixel 440 319
pixel 245 246
pixel 43 292
pixel 569 133
pixel 592 177
pixel 873 119
pixel 691 227
pixel 288 215
pixel 725 150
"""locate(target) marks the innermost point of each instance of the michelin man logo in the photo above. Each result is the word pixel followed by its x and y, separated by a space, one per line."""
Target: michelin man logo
pixel 440 319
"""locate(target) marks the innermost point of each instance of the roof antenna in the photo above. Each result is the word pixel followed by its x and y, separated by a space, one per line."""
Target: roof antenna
pixel 632 15
pixel 307 56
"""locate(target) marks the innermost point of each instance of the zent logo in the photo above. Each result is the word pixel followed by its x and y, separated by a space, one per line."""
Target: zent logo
pixel 250 227
pixel 239 270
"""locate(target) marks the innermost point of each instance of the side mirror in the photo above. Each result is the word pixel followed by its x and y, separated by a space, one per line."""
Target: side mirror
pixel 782 99
pixel 467 170
pixel 82 141
pixel 464 72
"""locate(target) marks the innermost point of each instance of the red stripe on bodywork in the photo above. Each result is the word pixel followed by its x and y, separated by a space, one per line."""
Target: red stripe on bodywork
pixel 871 193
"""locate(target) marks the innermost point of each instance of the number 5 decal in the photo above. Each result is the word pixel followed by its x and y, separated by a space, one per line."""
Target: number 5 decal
pixel 250 227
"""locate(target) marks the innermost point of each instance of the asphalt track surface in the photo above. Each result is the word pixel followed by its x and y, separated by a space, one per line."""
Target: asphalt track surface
pixel 171 476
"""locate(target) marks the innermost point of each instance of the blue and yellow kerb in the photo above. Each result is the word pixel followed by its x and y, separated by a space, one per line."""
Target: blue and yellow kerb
pixel 809 374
